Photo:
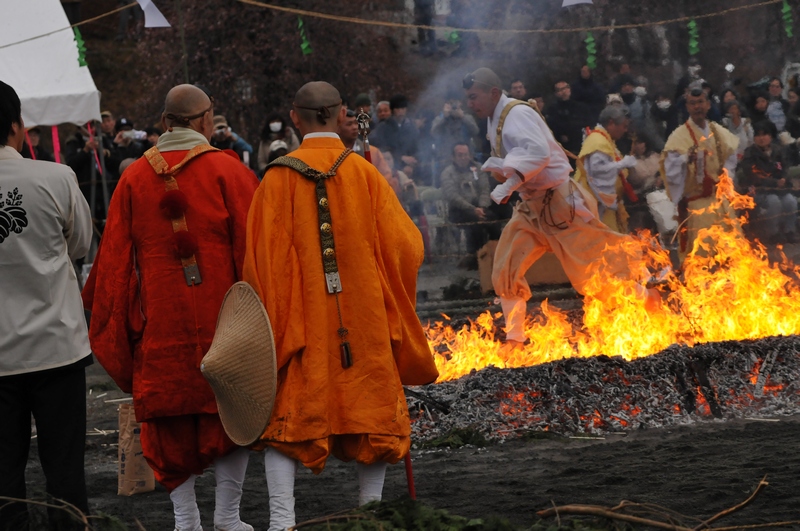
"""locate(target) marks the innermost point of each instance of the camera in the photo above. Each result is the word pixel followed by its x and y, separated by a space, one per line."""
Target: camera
pixel 130 135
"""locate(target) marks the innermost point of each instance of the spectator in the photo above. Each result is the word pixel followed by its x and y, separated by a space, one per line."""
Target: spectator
pixel 567 118
pixel 225 138
pixel 403 186
pixel 728 95
pixel 152 137
pixel 760 105
pixel 348 133
pixel 423 16
pixel 623 72
pixel 126 146
pixel 426 148
pixel 278 148
pixel 714 114
pixel 739 126
pixel 518 90
pixel 778 108
pixel 587 91
pixel 643 178
pixel 45 224
pixel 34 150
pixel 693 70
pixel 275 128
pixel 80 154
pixel 452 126
pixel 764 168
pixel 538 99
pixel 384 111
pixel 466 189
pixel 665 117
pixel 108 128
pixel 398 135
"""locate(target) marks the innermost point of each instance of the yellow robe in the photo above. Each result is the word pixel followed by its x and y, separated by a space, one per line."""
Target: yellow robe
pixel 614 218
pixel 321 408
pixel 694 197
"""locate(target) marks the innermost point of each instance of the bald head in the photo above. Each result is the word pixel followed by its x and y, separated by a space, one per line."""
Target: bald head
pixel 317 106
pixel 184 105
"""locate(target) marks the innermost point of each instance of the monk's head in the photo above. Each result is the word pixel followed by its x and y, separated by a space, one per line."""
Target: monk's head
pixel 188 106
pixel 483 89
pixel 317 107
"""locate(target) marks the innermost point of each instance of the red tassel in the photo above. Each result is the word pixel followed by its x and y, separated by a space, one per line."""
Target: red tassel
pixel 185 244
pixel 174 204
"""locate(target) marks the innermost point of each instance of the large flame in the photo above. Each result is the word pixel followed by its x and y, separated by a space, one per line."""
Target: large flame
pixel 728 291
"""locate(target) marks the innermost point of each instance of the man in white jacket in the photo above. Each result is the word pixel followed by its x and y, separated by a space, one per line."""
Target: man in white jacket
pixel 44 346
pixel 555 214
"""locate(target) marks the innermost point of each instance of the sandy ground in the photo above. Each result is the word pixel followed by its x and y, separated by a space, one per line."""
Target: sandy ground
pixel 697 470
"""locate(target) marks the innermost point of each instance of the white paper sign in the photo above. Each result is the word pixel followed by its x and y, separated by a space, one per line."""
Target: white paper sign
pixel 152 16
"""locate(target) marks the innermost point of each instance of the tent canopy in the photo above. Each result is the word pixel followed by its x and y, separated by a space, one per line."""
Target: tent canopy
pixel 52 86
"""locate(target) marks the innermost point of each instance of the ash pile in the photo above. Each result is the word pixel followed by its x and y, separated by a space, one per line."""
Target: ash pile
pixel 602 395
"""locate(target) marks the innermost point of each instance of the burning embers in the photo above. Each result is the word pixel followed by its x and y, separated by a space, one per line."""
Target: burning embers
pixel 728 290
pixel 602 395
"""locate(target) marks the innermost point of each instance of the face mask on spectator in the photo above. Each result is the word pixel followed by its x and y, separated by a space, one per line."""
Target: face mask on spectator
pixel 664 105
pixel 640 91
pixel 275 127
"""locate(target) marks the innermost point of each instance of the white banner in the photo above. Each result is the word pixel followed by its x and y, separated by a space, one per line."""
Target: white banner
pixel 152 16
pixel 575 2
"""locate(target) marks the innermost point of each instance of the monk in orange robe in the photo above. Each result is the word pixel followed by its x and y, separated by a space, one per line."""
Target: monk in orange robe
pixel 173 244
pixel 336 266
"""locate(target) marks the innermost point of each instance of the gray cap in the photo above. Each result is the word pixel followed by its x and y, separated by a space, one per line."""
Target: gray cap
pixel 482 76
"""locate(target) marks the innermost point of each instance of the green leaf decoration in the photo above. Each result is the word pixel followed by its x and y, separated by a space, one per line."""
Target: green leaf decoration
pixel 81 47
pixel 788 22
pixel 305 44
pixel 453 37
pixel 694 38
pixel 591 51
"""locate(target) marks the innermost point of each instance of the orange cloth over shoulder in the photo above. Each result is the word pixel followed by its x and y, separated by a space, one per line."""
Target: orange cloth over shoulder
pixel 319 404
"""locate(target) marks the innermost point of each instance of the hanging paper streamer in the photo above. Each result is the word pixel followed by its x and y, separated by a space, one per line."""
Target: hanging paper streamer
pixel 305 45
pixel 81 47
pixel 786 10
pixel 694 38
pixel 591 51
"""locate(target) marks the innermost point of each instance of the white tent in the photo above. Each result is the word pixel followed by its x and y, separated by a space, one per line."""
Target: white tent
pixel 44 71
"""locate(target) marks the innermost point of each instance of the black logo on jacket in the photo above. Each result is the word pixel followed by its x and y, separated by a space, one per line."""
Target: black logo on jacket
pixel 13 217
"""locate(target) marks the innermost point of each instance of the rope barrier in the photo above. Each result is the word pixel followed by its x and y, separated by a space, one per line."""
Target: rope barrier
pixel 81 23
pixel 400 25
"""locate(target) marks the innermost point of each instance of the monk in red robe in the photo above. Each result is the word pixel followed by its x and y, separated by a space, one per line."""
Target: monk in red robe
pixel 335 261
pixel 173 244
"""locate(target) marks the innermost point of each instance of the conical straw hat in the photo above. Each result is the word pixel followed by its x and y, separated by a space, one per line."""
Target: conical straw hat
pixel 240 365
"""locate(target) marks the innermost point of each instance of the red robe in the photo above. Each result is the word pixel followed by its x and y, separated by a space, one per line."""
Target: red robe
pixel 149 329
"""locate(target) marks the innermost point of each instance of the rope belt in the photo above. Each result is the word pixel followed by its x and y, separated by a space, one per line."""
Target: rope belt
pixel 329 265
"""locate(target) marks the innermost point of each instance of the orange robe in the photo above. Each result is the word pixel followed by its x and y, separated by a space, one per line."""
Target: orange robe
pixel 321 408
pixel 149 329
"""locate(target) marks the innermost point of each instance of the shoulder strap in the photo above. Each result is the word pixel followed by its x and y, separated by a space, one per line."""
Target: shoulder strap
pixel 503 115
pixel 329 264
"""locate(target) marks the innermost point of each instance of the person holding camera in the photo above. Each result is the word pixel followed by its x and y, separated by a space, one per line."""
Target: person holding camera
pixel 452 127
pixel 223 137
pixel 127 145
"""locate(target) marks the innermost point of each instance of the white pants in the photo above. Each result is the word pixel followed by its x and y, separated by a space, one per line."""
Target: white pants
pixel 229 473
pixel 281 470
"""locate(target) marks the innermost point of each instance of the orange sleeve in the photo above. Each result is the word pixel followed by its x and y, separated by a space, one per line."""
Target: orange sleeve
pixel 400 253
pixel 271 263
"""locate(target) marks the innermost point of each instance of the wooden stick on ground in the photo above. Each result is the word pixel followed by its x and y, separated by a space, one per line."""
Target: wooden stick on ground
pixel 761 485
pixel 62 505
pixel 594 510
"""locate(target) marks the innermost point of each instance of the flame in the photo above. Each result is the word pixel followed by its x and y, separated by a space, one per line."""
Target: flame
pixel 728 291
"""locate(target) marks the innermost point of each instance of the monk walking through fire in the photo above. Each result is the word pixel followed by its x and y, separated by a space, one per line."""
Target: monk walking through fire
pixel 173 245
pixel 694 157
pixel 334 258
pixel 555 213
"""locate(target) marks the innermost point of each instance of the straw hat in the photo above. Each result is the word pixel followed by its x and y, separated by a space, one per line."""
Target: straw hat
pixel 240 366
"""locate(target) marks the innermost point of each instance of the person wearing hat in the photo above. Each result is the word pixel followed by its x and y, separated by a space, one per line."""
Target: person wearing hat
pixel 398 134
pixel 555 214
pixel 173 244
pixel 275 128
pixel 335 264
pixel 126 146
pixel 32 148
pixel 695 156
pixel 224 138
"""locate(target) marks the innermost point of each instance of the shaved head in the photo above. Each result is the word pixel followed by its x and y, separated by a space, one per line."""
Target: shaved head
pixel 185 103
pixel 318 104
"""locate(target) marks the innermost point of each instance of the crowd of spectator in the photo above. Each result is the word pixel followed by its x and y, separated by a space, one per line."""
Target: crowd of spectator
pixel 419 150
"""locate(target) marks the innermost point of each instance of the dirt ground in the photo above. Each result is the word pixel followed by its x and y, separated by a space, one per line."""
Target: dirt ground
pixel 697 470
